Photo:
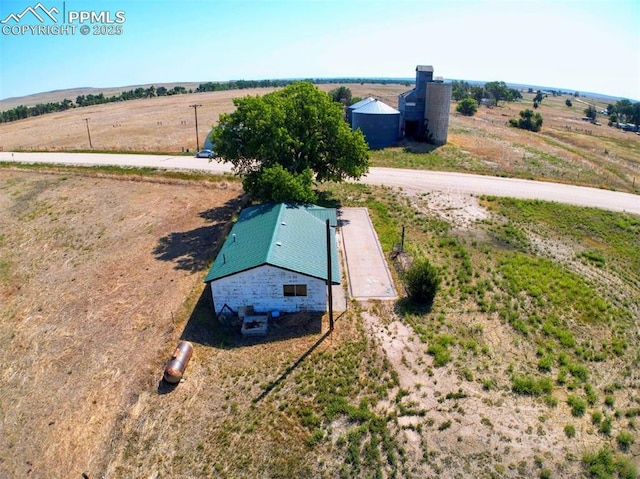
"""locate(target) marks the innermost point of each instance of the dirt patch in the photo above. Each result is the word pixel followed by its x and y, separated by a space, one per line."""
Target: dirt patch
pixel 93 278
pixel 450 424
pixel 459 209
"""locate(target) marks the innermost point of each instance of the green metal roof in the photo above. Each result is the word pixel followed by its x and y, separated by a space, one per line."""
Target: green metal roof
pixel 322 214
pixel 287 236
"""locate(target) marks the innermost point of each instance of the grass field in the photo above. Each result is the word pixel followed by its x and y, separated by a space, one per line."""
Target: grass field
pixel 95 274
pixel 525 365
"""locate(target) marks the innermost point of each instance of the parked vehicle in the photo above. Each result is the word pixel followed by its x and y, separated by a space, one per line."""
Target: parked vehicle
pixel 204 154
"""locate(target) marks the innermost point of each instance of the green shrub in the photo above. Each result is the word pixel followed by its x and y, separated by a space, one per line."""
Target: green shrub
pixel 625 439
pixel 596 417
pixel 570 430
pixel 605 426
pixel 315 438
pixel 632 412
pixel 488 384
pixel 550 400
pixel 604 465
pixel 444 425
pixel 439 349
pixel 578 405
pixel 595 257
pixel 467 106
pixel 545 363
pixel 441 354
pixel 545 474
pixel 579 371
pixel 528 385
pixel 422 281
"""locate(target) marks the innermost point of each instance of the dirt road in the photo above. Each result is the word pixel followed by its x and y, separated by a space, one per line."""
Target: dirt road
pixel 463 183
pixel 413 180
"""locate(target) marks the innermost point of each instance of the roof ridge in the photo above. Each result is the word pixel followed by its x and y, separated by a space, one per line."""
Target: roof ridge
pixel 272 242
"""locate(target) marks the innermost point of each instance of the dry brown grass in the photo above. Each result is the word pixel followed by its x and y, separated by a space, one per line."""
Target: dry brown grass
pixel 164 124
pixel 567 149
pixel 93 279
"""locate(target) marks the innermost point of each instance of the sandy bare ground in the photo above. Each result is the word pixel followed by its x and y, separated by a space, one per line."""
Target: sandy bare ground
pixel 94 273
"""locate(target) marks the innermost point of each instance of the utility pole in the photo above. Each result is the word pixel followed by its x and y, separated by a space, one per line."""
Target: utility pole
pixel 329 282
pixel 88 132
pixel 195 111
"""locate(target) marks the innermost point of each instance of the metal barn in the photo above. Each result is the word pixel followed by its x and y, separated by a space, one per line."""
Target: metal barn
pixel 379 123
pixel 355 106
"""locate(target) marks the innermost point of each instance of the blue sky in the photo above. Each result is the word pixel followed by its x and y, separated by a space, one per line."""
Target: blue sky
pixel 583 45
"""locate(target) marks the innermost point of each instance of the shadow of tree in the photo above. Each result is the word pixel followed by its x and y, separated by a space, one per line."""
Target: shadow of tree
pixel 193 250
pixel 328 200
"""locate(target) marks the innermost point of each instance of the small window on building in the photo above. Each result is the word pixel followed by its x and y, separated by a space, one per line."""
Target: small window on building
pixel 295 289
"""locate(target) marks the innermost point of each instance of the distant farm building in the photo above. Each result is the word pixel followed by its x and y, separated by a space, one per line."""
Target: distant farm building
pixel 379 123
pixel 424 111
pixel 275 259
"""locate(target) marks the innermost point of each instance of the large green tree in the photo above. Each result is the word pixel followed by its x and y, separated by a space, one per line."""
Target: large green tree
pixel 495 92
pixel 342 94
pixel 499 91
pixel 299 128
pixel 591 112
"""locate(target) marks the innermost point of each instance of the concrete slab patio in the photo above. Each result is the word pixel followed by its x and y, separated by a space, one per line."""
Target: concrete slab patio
pixel 366 267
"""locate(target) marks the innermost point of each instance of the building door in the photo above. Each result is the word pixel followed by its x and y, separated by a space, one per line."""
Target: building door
pixel 411 129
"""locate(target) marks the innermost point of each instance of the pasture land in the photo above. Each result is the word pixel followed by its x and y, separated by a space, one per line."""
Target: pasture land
pixel 526 362
pixel 95 276
pixel 567 150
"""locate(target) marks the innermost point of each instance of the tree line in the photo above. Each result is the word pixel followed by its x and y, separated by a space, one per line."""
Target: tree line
pixel 491 92
pixel 20 112
pixel 624 111
pixel 470 96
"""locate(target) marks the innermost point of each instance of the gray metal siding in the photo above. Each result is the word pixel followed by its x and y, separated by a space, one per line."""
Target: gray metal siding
pixel 380 130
